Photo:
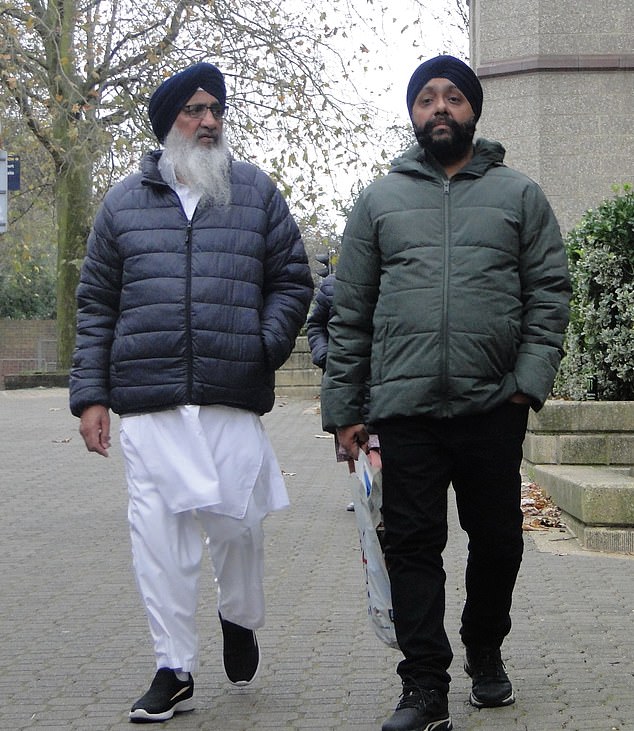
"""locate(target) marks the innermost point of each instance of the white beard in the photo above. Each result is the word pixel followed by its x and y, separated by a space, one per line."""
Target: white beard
pixel 204 170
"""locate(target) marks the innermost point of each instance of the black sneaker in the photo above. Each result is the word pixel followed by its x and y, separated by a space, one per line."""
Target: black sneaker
pixel 490 685
pixel 420 710
pixel 240 653
pixel 166 696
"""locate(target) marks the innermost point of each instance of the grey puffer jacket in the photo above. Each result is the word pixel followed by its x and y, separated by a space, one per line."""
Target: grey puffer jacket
pixel 172 311
pixel 451 294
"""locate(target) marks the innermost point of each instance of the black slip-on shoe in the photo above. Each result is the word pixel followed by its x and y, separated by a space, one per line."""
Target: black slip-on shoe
pixel 240 653
pixel 166 696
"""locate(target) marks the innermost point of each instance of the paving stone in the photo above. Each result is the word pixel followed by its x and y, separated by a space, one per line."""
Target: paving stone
pixel 76 644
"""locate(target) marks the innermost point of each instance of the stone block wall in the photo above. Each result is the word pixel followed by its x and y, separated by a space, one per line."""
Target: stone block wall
pixel 298 377
pixel 581 453
pixel 582 432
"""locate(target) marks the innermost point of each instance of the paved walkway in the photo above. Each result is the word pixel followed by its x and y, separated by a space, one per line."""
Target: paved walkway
pixel 76 649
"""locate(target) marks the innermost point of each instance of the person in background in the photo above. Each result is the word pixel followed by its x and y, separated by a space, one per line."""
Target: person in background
pixel 318 319
pixel 452 295
pixel 193 290
pixel 317 333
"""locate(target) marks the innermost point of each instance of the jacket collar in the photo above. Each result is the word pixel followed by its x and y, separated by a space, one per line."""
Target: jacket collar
pixel 417 161
pixel 150 172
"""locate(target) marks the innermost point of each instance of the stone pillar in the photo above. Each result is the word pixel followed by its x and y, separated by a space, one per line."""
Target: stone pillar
pixel 558 79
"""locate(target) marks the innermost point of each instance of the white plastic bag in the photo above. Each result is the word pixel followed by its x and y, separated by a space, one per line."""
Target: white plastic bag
pixel 367 496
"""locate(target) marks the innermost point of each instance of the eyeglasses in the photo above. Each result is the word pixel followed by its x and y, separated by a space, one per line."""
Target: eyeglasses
pixel 198 111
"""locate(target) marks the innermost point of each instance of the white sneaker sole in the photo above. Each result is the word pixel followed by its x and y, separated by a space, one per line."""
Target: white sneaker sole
pixel 140 714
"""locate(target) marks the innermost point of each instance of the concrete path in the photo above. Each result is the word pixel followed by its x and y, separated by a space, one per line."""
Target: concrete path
pixel 76 648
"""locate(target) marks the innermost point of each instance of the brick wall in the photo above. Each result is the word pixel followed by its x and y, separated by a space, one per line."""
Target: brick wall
pixel 30 345
pixel 27 346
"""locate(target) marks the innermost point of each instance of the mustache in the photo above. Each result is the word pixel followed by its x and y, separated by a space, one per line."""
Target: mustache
pixel 440 119
pixel 207 133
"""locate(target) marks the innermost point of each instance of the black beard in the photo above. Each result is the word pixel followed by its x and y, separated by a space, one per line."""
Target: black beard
pixel 447 149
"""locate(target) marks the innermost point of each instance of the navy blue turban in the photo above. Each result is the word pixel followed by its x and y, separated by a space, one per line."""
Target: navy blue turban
pixel 170 97
pixel 447 67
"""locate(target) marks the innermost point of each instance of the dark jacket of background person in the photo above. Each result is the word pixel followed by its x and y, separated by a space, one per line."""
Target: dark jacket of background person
pixel 317 322
pixel 201 312
pixel 474 292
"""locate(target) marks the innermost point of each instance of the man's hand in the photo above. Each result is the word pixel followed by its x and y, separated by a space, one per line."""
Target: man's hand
pixel 519 398
pixel 95 429
pixel 352 437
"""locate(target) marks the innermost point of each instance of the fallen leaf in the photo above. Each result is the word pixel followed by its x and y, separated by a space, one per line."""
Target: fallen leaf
pixel 540 513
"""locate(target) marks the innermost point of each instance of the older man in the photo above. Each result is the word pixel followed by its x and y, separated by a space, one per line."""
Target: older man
pixel 452 295
pixel 193 291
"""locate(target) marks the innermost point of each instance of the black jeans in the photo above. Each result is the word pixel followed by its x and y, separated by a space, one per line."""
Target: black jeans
pixel 480 456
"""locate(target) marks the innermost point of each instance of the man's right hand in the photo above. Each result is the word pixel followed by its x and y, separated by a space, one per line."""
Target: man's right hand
pixel 95 429
pixel 352 437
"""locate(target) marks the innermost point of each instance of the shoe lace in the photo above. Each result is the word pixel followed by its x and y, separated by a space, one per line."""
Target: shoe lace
pixel 413 696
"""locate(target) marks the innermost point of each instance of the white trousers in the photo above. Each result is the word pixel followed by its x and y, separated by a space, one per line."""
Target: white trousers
pixel 167 550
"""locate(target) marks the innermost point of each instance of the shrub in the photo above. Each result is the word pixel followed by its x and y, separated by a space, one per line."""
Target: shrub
pixel 27 288
pixel 600 338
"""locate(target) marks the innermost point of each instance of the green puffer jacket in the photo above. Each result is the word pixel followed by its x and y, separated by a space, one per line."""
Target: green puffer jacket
pixel 452 294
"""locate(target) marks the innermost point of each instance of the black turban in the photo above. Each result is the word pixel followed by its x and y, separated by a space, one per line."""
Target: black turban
pixel 447 67
pixel 168 100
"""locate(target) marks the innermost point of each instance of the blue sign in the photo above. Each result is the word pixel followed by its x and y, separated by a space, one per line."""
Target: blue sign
pixel 13 172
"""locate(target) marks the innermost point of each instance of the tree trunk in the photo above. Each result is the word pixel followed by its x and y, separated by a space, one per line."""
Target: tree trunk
pixel 74 198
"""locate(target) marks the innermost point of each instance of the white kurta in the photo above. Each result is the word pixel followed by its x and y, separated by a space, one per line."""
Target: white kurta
pixel 205 458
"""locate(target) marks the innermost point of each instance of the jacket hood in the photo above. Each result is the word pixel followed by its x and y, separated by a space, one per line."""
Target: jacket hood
pixel 416 160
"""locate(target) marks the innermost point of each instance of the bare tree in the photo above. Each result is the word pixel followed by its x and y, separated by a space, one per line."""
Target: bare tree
pixel 79 74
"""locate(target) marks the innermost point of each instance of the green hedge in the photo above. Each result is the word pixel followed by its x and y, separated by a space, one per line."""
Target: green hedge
pixel 600 338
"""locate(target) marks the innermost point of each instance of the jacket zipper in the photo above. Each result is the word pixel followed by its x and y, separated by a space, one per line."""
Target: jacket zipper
pixel 444 347
pixel 188 312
